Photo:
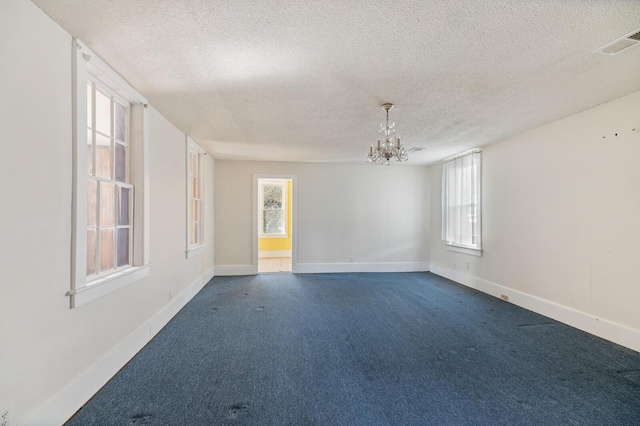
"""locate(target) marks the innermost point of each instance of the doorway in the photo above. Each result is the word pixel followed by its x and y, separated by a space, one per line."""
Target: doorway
pixel 275 207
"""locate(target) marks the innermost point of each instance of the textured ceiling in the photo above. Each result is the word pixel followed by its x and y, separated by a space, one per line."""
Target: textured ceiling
pixel 302 80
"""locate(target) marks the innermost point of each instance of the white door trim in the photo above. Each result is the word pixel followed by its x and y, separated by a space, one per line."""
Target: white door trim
pixel 294 219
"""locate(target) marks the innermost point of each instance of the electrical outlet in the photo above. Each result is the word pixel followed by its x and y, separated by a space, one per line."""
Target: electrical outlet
pixel 455 265
pixel 466 265
pixel 350 259
pixel 5 420
pixel 170 298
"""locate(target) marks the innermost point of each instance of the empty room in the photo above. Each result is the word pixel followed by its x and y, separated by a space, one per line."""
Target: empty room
pixel 320 213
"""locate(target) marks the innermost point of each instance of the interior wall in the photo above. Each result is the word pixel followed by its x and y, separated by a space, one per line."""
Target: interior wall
pixel 560 211
pixel 360 213
pixel 279 244
pixel 46 346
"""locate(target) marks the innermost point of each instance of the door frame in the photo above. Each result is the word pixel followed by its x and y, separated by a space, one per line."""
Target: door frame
pixel 294 218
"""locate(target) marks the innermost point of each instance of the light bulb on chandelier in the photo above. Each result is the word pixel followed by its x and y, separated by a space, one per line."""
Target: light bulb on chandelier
pixel 390 147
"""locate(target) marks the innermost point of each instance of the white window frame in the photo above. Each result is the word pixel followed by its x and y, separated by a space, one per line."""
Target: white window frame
pixel 194 148
pixel 273 182
pixel 86 66
pixel 458 246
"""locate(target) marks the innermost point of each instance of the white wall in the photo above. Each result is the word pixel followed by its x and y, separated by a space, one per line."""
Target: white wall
pixel 560 221
pixel 50 353
pixel 378 215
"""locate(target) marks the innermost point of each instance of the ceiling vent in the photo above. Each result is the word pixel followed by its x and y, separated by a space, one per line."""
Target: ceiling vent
pixel 621 44
pixel 416 149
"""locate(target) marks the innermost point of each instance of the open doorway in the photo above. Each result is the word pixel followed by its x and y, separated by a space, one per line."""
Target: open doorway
pixel 275 227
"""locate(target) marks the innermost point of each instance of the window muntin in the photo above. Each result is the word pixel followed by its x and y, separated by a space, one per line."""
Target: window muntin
pixel 109 195
pixel 272 215
pixel 461 199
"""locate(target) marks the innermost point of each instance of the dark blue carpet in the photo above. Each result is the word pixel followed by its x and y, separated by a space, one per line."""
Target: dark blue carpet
pixel 366 349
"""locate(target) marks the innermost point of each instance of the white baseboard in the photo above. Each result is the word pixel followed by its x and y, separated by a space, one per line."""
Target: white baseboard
pixel 322 268
pixel 59 408
pixel 609 330
pixel 274 253
pixel 314 268
pixel 227 270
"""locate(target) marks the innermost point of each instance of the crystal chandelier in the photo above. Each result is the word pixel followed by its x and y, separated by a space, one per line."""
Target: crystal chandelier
pixel 390 147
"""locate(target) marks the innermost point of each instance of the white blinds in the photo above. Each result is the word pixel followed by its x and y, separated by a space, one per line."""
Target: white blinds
pixel 461 201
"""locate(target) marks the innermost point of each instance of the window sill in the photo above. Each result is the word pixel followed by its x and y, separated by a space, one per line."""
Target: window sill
pixel 464 249
pixel 273 236
pixel 104 286
pixel 195 251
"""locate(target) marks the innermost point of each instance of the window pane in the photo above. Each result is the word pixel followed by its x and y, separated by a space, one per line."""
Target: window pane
pixel 92 202
pixel 121 163
pixel 466 232
pixel 123 247
pixel 273 221
pixel 121 122
pixel 107 204
pixel 91 251
pixel 194 187
pixel 103 112
pixel 195 210
pixel 103 156
pixel 106 249
pixel 125 198
pixel 194 233
pixel 192 164
pixel 90 152
pixel 272 197
pixel 89 105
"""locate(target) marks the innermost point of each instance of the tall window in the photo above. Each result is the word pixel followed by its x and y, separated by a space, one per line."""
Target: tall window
pixel 110 201
pixel 461 221
pixel 273 200
pixel 195 198
pixel 109 193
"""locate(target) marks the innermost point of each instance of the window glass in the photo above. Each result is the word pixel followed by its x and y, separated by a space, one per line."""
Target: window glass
pixel 106 249
pixel 121 122
pixel 124 210
pixel 103 112
pixel 103 156
pixel 92 203
pixel 123 247
pixel 272 197
pixel 91 251
pixel 272 207
pixel 107 204
pixel 121 163
pixel 273 221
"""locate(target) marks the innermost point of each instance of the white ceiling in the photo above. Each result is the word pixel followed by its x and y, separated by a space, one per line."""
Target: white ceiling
pixel 302 80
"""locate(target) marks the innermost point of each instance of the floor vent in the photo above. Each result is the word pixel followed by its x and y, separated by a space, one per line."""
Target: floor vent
pixel 621 44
